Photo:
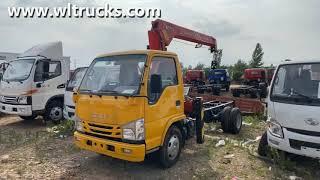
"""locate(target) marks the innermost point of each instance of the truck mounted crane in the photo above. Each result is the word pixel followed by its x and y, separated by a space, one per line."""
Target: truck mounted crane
pixel 162 33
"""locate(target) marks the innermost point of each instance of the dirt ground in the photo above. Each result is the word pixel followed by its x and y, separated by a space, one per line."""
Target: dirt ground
pixel 34 150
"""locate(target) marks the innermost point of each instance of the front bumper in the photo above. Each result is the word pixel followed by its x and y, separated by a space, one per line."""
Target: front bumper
pixel 111 148
pixel 289 143
pixel 21 110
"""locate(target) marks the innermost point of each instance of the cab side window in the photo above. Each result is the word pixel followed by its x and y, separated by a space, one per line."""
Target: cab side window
pixel 47 70
pixel 166 68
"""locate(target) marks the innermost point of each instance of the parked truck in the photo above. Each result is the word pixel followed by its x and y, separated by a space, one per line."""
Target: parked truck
pixel 139 106
pixel 294 110
pixel 220 77
pixel 34 83
pixel 195 77
pixel 255 83
pixel 74 82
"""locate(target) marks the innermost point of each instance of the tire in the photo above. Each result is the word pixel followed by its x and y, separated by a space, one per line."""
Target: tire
pixel 235 93
pixel 215 91
pixel 225 120
pixel 235 121
pixel 263 147
pixel 171 149
pixel 54 112
pixel 28 118
pixel 228 88
pixel 200 130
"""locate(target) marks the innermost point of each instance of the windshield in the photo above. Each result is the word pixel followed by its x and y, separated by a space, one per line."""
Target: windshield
pixel 76 78
pixel 298 84
pixel 18 70
pixel 114 75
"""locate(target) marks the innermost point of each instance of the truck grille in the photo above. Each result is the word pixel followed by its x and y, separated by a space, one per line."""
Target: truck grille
pixel 108 131
pixel 10 100
pixel 298 144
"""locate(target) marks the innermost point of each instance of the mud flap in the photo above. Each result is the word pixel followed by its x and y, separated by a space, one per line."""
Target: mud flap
pixel 199 115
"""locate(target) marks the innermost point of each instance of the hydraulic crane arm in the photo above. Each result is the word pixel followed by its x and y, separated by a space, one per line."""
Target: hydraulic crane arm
pixel 162 33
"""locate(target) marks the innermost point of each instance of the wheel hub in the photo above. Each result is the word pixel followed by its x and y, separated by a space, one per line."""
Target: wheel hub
pixel 56 113
pixel 173 147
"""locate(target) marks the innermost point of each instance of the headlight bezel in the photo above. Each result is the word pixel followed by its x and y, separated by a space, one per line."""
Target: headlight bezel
pixel 23 99
pixel 78 124
pixel 134 131
pixel 1 98
pixel 275 128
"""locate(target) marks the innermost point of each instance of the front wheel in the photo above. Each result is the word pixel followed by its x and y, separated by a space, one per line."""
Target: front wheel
pixel 54 112
pixel 263 147
pixel 28 118
pixel 171 149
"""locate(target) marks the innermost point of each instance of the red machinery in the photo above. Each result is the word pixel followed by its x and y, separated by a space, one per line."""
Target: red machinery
pixel 195 77
pixel 254 76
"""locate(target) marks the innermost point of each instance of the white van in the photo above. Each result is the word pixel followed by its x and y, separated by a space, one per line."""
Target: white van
pixel 294 109
pixel 34 83
pixel 74 82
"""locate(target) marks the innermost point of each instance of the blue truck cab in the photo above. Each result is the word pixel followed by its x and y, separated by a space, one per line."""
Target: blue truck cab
pixel 220 77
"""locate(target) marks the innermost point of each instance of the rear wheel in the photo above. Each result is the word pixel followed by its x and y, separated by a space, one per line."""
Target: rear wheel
pixel 225 121
pixel 171 149
pixel 235 121
pixel 216 91
pixel 28 117
pixel 54 112
pixel 228 88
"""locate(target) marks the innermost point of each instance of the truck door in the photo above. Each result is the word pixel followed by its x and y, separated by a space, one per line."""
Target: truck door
pixel 166 105
pixel 48 81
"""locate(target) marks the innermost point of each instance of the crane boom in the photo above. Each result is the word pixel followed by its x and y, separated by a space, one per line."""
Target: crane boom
pixel 162 33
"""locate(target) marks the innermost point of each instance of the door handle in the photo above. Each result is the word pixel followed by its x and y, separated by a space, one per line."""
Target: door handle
pixel 178 103
pixel 61 86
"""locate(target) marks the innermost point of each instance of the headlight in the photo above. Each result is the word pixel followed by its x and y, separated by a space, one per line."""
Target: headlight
pixel 1 98
pixel 78 124
pixel 23 100
pixel 275 128
pixel 134 130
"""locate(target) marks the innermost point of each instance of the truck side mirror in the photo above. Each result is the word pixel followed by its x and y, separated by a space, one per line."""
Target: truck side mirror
pixel 75 95
pixel 155 83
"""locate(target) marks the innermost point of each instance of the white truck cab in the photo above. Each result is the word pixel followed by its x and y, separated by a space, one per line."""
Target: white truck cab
pixel 294 109
pixel 34 83
pixel 74 82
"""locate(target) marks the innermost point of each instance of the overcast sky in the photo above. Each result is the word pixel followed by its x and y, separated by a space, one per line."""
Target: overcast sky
pixel 285 29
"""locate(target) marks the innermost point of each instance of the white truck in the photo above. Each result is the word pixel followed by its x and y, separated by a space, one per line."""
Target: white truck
pixel 294 110
pixel 34 83
pixel 74 82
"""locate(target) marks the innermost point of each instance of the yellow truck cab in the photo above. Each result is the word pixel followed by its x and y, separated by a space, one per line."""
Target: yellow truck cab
pixel 130 104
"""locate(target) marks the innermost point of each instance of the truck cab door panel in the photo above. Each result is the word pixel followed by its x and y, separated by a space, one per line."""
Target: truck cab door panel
pixel 49 75
pixel 164 106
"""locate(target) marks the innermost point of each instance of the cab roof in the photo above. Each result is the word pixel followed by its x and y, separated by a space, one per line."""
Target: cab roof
pixel 300 61
pixel 147 52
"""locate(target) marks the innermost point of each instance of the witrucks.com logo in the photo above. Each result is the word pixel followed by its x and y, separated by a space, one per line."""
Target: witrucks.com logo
pixel 73 11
